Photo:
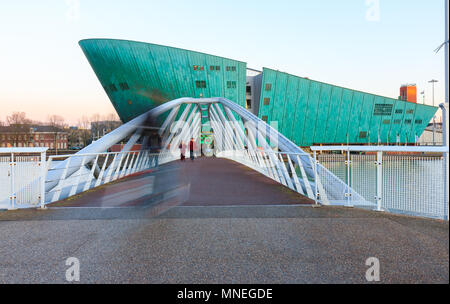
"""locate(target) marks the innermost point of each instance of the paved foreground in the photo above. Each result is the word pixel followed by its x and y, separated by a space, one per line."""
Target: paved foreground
pixel 188 229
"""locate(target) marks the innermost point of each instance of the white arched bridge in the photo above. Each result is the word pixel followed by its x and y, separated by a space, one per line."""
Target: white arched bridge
pixel 221 129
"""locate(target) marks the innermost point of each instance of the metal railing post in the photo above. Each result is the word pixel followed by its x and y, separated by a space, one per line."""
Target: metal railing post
pixel 445 133
pixel 379 180
pixel 349 193
pixel 315 178
pixel 42 180
pixel 12 188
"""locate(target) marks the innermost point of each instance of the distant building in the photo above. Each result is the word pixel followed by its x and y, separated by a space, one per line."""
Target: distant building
pixel 101 128
pixel 408 92
pixel 33 136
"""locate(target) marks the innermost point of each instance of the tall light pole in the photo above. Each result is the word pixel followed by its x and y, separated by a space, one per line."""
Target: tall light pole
pixel 433 81
pixel 445 120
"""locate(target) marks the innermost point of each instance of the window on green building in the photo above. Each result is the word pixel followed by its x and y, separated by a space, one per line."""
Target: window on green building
pixel 398 111
pixel 112 87
pixel 397 121
pixel 382 109
pixel 200 84
pixel 265 118
pixel 363 134
pixel 231 84
pixel 386 122
pixel 410 111
pixel 124 86
pixel 408 121
pixel 418 121
pixel 266 101
pixel 268 87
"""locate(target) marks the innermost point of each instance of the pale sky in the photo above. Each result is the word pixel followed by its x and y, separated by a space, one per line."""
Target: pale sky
pixel 349 43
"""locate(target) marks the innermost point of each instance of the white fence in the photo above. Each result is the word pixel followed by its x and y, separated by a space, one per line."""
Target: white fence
pixel 95 169
pixel 27 179
pixel 412 184
pixel 21 177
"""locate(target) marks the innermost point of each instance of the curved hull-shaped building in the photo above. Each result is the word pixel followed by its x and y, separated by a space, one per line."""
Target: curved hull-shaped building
pixel 138 76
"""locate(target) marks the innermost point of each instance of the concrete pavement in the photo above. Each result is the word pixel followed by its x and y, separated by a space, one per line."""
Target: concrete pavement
pixel 187 232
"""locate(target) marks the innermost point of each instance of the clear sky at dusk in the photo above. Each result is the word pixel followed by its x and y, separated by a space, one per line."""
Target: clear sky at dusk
pixel 43 70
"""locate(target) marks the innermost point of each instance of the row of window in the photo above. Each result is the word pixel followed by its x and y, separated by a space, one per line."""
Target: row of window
pixel 198 68
pixel 201 84
pixel 24 145
pixel 400 111
pixel 30 137
pixel 214 68
pixel 380 110
pixel 385 122
pixel 231 84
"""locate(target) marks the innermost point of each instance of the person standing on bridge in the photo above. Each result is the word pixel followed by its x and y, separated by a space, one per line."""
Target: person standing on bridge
pixel 182 151
pixel 192 148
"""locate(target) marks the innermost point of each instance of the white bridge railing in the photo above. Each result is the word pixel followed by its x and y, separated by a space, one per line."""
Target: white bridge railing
pixel 22 172
pixel 26 173
pixel 95 169
pixel 397 179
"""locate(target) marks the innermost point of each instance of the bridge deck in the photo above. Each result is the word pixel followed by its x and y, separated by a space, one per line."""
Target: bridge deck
pixel 170 238
pixel 203 182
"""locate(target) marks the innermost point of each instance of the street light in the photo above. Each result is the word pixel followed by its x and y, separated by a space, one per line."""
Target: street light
pixel 433 81
pixel 423 95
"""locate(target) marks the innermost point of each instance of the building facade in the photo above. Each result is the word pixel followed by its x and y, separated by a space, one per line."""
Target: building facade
pixel 139 76
pixel 33 136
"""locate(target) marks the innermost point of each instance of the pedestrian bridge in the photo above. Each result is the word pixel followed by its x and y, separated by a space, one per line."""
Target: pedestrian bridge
pixel 223 130
pixel 220 128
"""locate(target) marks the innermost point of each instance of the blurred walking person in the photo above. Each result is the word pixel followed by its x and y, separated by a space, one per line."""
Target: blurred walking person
pixel 192 148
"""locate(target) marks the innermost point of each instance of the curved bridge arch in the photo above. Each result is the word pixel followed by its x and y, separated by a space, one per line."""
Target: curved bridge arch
pixel 238 135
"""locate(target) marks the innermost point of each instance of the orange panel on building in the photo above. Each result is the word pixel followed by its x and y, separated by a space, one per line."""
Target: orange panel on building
pixel 409 93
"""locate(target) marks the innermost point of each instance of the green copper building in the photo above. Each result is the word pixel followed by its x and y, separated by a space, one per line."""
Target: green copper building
pixel 139 76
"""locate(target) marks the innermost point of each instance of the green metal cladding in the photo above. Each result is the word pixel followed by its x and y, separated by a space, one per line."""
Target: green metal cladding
pixel 139 76
pixel 310 112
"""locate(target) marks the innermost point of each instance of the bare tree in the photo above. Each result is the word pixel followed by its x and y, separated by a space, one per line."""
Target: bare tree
pixel 19 126
pixel 112 117
pixel 57 122
pixel 17 118
pixel 84 126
